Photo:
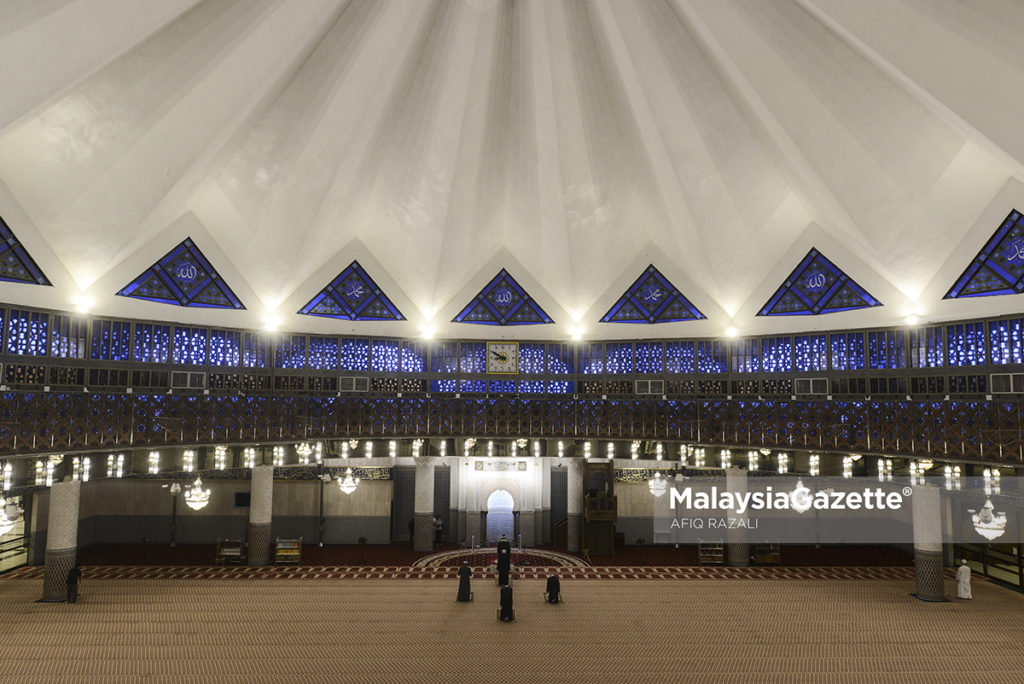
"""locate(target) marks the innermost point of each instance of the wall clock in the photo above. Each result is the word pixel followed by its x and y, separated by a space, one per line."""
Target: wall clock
pixel 503 357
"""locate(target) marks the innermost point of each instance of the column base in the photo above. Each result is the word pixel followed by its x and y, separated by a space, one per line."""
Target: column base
pixel 928 577
pixel 259 544
pixel 423 532
pixel 737 555
pixel 55 575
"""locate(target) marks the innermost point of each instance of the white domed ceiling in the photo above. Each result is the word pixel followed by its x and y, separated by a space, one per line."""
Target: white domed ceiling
pixel 571 143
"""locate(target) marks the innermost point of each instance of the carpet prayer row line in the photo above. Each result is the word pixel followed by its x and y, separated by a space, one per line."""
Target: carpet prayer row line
pixel 407 572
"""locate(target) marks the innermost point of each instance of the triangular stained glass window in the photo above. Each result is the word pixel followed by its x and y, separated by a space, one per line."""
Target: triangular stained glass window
pixel 16 266
pixel 183 277
pixel 817 286
pixel 353 296
pixel 503 302
pixel 999 267
pixel 652 299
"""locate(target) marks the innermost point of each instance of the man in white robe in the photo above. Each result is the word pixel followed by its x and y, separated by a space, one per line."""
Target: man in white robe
pixel 963 580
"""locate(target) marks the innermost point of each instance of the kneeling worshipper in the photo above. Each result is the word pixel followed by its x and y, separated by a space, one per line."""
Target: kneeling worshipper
pixel 553 589
pixel 506 604
pixel 464 574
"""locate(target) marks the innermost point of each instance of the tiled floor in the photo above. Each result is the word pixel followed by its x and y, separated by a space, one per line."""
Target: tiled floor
pixel 746 629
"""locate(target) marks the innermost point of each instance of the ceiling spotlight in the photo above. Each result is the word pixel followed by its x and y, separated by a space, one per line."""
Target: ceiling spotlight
pixel 912 319
pixel 731 331
pixel 427 332
pixel 83 304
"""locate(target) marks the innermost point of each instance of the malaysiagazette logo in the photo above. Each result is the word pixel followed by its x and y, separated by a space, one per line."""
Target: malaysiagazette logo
pixel 799 499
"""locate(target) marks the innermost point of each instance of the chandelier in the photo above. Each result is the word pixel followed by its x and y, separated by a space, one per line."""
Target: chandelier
pixel 195 496
pixel 657 484
pixel 348 483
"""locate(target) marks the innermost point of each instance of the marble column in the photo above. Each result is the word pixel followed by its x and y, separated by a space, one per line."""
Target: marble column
pixel 61 538
pixel 528 499
pixel 261 506
pixel 455 530
pixel 423 506
pixel 545 535
pixel 927 512
pixel 538 500
pixel 737 547
pixel 574 523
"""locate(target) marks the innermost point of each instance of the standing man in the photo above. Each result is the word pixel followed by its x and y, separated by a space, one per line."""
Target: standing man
pixel 504 560
pixel 963 580
pixel 464 575
pixel 506 614
pixel 438 524
pixel 74 574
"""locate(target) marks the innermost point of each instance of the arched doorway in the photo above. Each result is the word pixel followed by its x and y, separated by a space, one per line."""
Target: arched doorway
pixel 500 515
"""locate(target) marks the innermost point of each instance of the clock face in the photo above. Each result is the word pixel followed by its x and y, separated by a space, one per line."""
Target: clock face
pixel 503 357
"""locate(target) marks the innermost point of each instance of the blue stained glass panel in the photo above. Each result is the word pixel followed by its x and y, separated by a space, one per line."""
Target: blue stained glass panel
pixel 444 357
pixel 190 345
pixel 619 357
pixel 560 387
pixel 323 353
pixel 776 354
pixel 225 347
pixel 680 357
pixel 152 343
pixel 67 337
pixel 652 299
pixel 27 333
pixel 354 354
pixel 810 352
pixel 508 386
pixel 966 344
pixel 414 357
pixel 745 356
pixel 560 359
pixel 502 302
pixel 817 286
pixel 1006 341
pixel 591 359
pixel 473 386
pixel 711 357
pixel 886 350
pixel 444 385
pixel 16 265
pixel 473 357
pixel 998 268
pixel 254 350
pixel 384 357
pixel 183 277
pixel 532 386
pixel 111 340
pixel 532 358
pixel 354 296
pixel 927 347
pixel 848 351
pixel 650 357
pixel 290 352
